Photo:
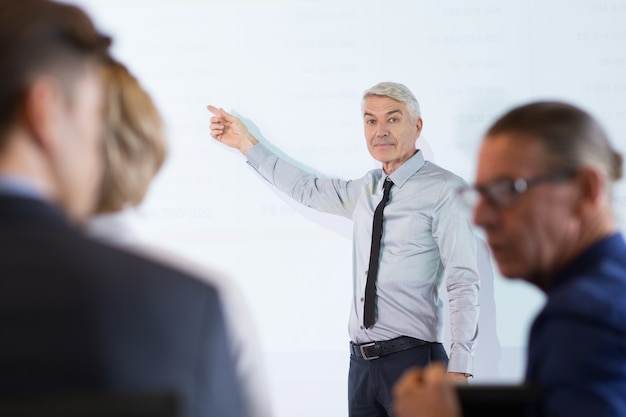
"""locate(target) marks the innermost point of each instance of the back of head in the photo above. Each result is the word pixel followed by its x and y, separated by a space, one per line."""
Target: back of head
pixel 572 137
pixel 134 140
pixel 398 92
pixel 42 37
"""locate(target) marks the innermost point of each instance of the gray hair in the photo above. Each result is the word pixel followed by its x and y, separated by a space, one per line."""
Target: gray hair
pixel 396 91
pixel 572 137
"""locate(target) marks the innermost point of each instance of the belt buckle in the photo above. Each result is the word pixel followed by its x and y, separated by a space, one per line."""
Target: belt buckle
pixel 363 355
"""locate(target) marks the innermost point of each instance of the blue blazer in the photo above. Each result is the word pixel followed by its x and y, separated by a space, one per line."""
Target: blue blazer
pixel 79 316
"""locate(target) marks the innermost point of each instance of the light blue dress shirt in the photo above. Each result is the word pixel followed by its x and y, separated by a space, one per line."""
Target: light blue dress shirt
pixel 427 242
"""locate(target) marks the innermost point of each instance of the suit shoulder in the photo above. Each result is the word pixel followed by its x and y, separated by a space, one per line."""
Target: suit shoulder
pixel 138 268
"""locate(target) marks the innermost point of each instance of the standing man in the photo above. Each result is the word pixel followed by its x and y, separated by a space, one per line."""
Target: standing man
pixel 543 189
pixel 395 320
pixel 77 316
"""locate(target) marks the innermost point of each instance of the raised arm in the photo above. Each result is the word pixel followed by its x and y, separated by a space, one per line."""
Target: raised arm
pixel 231 131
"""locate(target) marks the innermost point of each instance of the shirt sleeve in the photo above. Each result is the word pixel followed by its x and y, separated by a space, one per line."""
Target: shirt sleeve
pixel 332 196
pixel 457 242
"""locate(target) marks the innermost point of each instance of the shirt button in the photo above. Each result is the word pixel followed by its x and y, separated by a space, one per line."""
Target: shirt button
pixel 362 299
pixel 361 327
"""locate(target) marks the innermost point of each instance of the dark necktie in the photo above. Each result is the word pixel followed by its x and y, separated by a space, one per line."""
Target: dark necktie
pixel 369 309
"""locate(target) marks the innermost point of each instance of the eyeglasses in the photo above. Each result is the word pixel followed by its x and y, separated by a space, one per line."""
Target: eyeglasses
pixel 504 193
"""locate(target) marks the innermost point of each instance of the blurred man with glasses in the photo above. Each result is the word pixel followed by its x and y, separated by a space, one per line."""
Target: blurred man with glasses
pixel 543 197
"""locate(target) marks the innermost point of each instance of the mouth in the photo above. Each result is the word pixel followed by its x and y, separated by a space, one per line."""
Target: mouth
pixel 382 142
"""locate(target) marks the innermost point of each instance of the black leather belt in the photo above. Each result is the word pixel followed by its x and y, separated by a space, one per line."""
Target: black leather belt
pixel 375 350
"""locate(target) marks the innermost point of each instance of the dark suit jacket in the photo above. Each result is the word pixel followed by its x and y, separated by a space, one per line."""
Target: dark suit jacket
pixel 77 315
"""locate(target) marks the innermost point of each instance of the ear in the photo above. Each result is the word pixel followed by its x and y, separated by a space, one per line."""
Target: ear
pixel 592 190
pixel 41 111
pixel 418 126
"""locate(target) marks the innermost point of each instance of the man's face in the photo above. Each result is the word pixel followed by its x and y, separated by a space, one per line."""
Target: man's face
pixel 79 157
pixel 531 236
pixel 390 131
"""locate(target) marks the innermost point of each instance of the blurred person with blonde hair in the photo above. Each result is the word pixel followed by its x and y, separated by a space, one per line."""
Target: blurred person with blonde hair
pixel 134 142
pixel 135 148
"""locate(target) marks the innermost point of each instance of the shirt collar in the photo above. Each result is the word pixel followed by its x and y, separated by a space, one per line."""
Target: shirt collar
pixel 612 245
pixel 406 170
pixel 19 186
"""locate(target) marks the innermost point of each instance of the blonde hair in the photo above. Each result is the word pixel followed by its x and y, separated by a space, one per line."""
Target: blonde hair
pixel 134 140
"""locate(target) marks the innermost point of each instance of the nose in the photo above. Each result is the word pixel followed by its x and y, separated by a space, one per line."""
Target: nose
pixel 484 215
pixel 382 131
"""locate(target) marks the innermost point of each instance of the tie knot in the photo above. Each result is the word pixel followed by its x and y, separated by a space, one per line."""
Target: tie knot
pixel 387 184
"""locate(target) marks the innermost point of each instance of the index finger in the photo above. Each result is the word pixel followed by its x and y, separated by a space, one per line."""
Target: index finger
pixel 214 110
pixel 222 113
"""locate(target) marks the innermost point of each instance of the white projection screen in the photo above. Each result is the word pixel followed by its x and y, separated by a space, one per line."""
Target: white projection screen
pixel 295 71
